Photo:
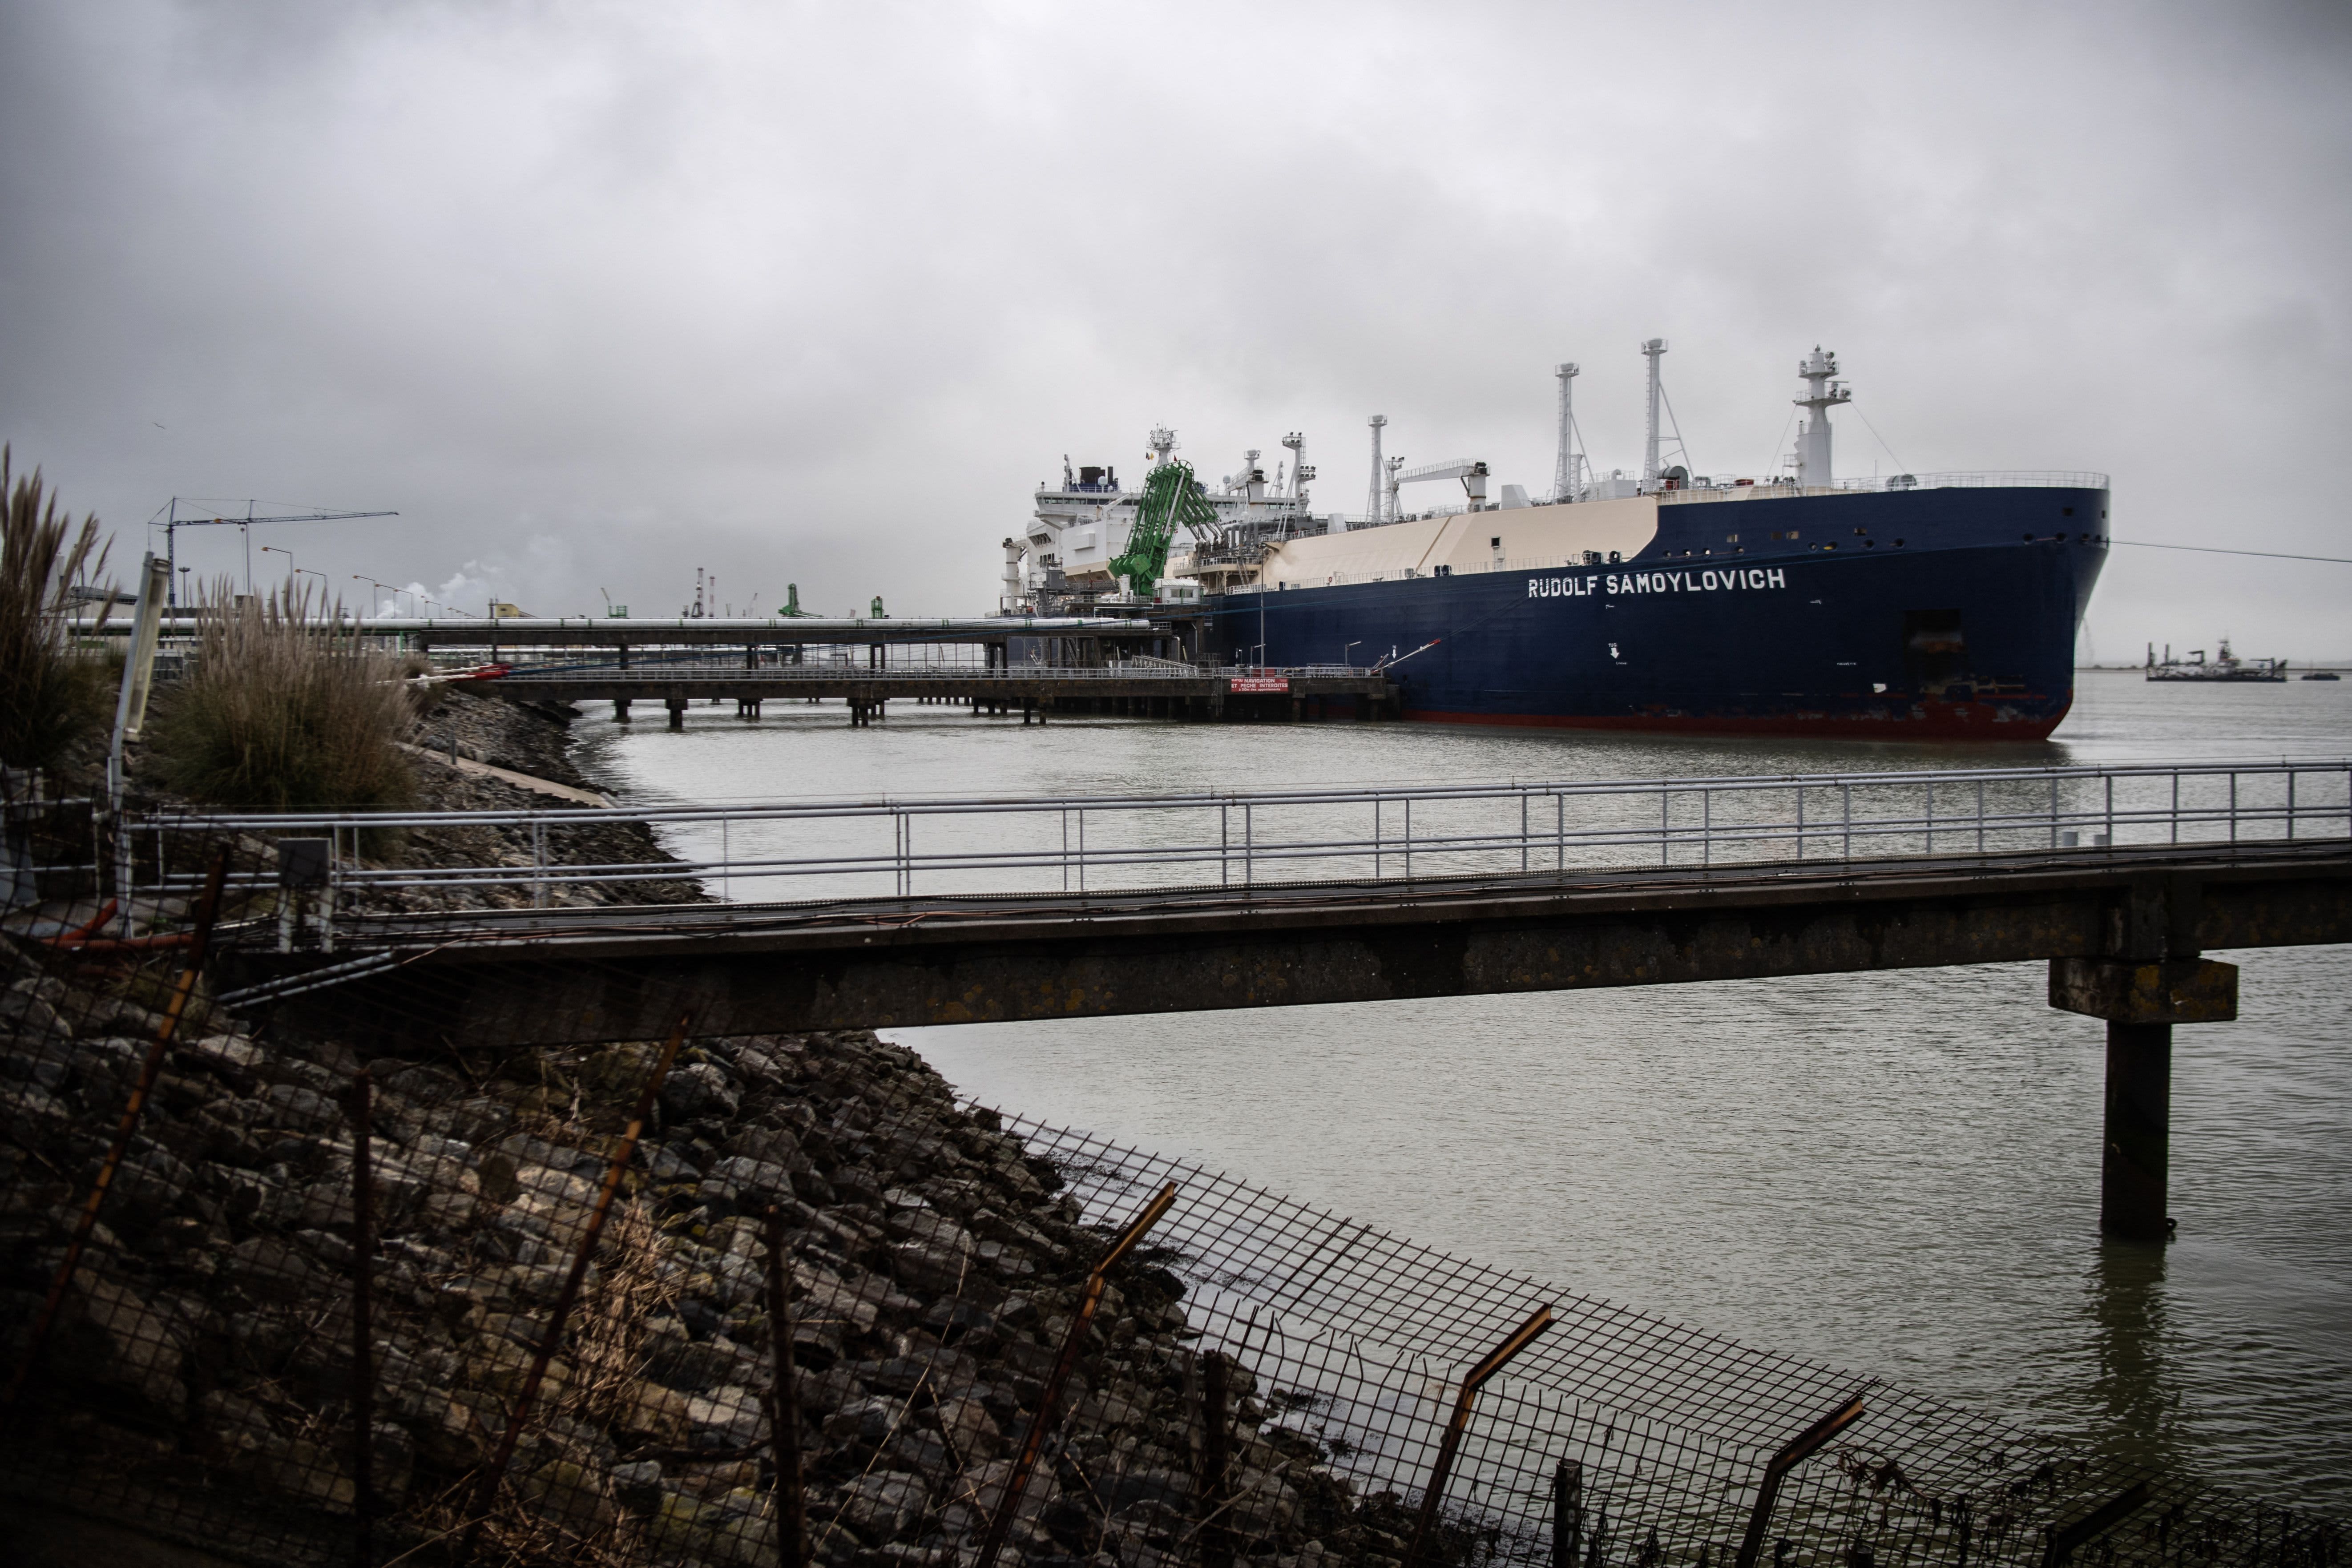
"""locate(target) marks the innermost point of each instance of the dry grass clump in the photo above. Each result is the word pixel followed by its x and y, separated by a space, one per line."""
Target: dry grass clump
pixel 49 696
pixel 282 708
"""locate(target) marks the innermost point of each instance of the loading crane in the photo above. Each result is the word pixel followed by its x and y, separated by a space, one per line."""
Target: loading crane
pixel 1470 471
pixel 172 523
pixel 1171 498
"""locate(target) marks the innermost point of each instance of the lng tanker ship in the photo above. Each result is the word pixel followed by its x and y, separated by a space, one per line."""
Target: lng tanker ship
pixel 1916 607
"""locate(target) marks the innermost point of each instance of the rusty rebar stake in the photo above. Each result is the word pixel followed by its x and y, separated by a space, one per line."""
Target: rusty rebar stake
pixel 208 909
pixel 363 1350
pixel 1017 1482
pixel 2066 1538
pixel 784 1402
pixel 1798 1449
pixel 1216 1540
pixel 1496 1360
pixel 485 1492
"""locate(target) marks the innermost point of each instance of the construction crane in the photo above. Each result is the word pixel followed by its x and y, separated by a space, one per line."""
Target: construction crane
pixel 172 523
pixel 1471 472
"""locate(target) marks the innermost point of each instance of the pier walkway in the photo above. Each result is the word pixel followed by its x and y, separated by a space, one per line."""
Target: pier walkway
pixel 1019 907
pixel 1146 688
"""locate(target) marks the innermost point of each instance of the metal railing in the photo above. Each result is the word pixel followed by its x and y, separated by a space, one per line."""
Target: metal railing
pixel 723 669
pixel 1783 488
pixel 905 847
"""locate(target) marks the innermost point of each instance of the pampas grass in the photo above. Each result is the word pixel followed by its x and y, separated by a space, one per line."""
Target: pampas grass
pixel 281 708
pixel 49 696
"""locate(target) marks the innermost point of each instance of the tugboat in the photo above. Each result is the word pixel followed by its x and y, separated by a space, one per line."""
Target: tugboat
pixel 2224 666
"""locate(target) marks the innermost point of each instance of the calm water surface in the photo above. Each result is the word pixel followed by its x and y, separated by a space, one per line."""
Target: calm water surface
pixel 1897 1173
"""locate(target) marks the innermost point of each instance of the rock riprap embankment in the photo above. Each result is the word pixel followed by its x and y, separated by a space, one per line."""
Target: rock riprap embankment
pixel 200 1378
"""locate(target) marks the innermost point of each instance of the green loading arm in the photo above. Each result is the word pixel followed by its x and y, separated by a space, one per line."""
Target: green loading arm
pixel 1168 499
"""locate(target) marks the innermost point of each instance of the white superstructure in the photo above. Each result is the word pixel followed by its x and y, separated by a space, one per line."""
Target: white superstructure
pixel 1266 532
pixel 1079 527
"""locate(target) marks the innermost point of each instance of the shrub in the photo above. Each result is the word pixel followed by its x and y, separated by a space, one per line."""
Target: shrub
pixel 282 708
pixel 49 696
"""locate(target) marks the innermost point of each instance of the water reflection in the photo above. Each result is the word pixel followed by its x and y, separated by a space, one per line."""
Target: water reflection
pixel 2131 1403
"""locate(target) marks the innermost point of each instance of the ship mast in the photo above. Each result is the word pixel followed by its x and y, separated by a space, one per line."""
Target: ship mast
pixel 1380 479
pixel 1563 474
pixel 1822 395
pixel 1651 351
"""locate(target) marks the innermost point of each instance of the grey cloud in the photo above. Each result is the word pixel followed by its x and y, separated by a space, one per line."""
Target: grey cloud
pixel 816 292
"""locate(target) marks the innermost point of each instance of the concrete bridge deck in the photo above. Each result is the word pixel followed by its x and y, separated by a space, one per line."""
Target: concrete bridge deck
pixel 578 975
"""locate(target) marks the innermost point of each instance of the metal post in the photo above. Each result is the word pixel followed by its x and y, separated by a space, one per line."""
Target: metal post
pixel 1801 822
pixel 362 1344
pixel 1408 839
pixel 1665 844
pixel 2176 805
pixel 1433 1494
pixel 2234 806
pixel 1931 817
pixel 1980 820
pixel 1091 1297
pixel 1523 832
pixel 1798 1448
pixel 1082 849
pixel 2066 1538
pixel 539 865
pixel 2053 811
pixel 1567 1513
pixel 1845 793
pixel 2110 780
pixel 485 1492
pixel 208 909
pixel 1216 1538
pixel 783 1404
pixel 1249 844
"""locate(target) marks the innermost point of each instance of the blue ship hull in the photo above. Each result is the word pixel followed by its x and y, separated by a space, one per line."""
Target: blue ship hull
pixel 1926 614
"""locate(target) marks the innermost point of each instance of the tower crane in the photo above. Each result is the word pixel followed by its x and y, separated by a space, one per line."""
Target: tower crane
pixel 172 523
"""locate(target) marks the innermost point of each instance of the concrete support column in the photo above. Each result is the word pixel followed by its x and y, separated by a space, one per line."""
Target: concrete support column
pixel 676 706
pixel 2154 980
pixel 620 710
pixel 2138 1132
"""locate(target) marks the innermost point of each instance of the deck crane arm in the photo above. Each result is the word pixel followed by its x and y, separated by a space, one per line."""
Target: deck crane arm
pixel 1470 471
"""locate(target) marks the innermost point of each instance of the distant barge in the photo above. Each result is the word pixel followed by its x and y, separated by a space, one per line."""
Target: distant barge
pixel 2224 666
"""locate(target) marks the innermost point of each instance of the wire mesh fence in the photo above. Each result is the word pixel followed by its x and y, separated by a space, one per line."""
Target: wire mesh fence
pixel 378 1296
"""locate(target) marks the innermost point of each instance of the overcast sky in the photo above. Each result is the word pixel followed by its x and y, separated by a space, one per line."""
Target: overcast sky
pixel 594 294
